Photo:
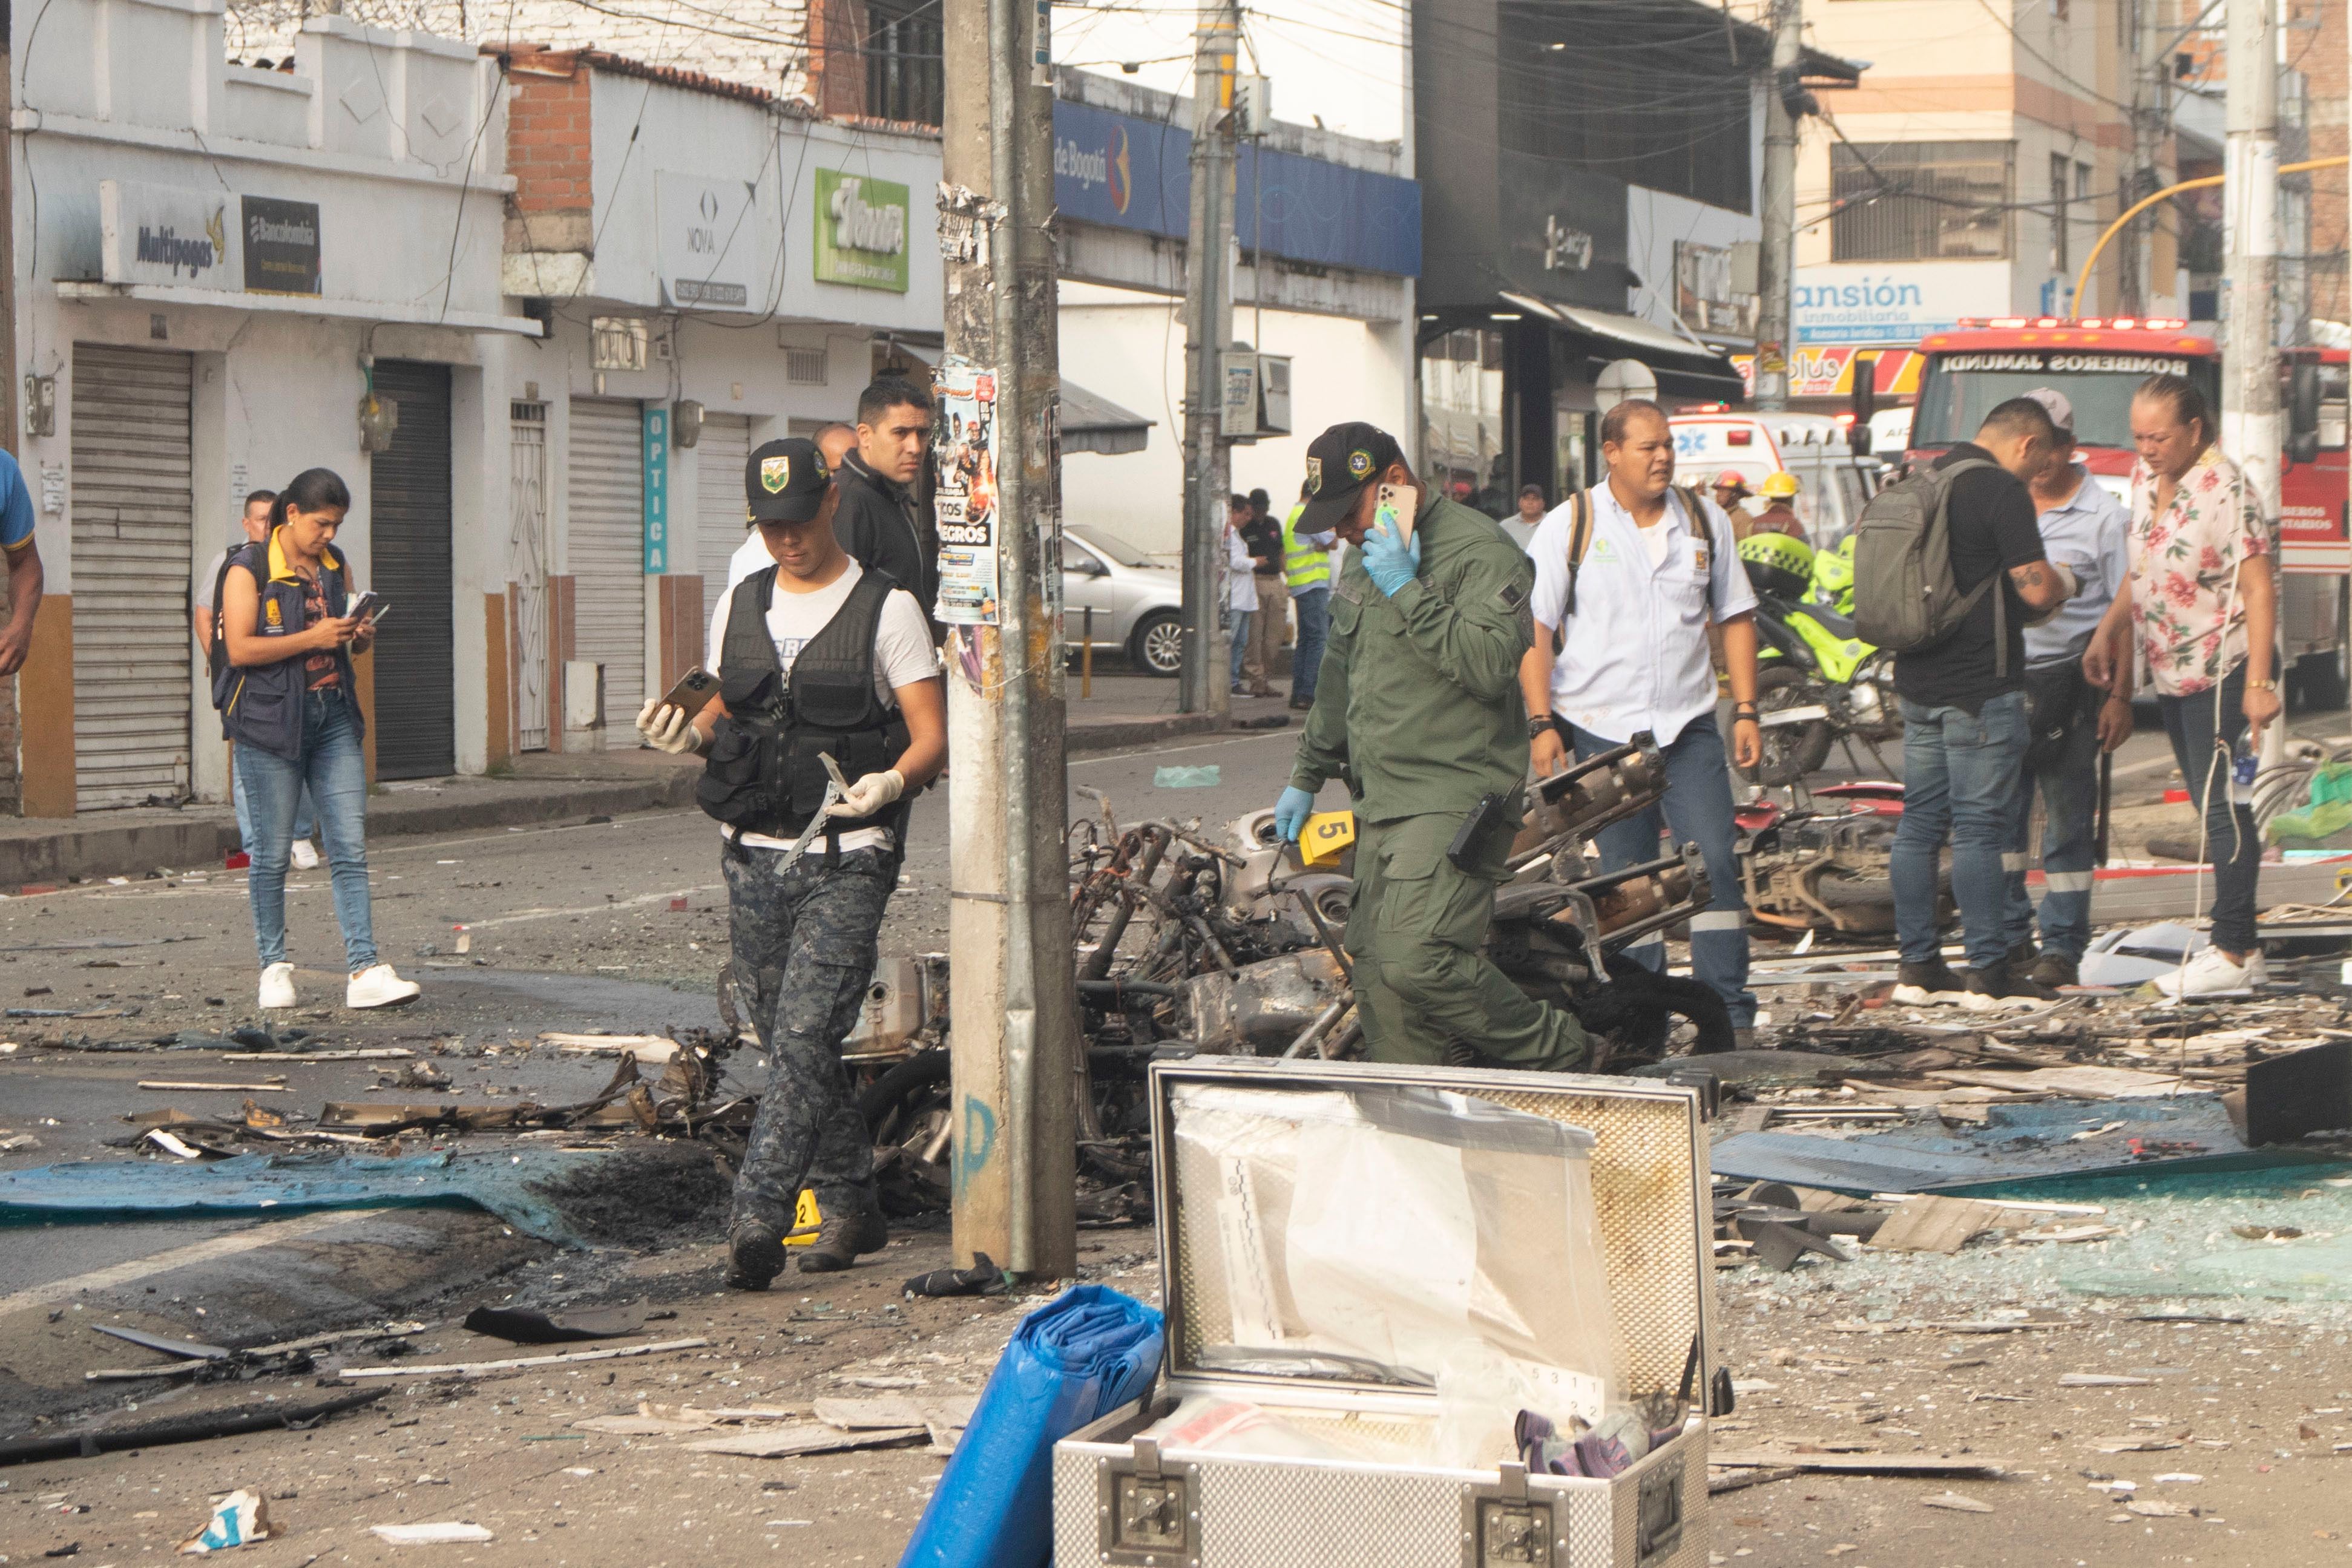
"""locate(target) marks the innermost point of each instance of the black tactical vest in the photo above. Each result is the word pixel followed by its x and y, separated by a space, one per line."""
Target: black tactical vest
pixel 766 773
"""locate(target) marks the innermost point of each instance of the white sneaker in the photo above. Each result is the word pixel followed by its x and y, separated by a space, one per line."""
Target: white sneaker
pixel 305 857
pixel 2212 973
pixel 277 985
pixel 380 987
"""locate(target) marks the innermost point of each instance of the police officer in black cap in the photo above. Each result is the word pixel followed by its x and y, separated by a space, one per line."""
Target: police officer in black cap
pixel 827 678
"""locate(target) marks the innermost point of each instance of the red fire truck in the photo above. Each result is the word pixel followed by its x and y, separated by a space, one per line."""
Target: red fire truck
pixel 2097 364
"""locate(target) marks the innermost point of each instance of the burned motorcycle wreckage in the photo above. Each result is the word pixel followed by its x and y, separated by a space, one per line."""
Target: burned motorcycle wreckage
pixel 1187 946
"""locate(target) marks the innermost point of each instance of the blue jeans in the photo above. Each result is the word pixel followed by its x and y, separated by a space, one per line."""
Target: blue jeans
pixel 305 817
pixel 1697 809
pixel 1960 774
pixel 1306 659
pixel 335 772
pixel 2068 777
pixel 2234 845
pixel 1241 619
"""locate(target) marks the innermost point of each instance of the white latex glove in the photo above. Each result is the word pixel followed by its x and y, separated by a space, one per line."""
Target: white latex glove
pixel 669 729
pixel 870 794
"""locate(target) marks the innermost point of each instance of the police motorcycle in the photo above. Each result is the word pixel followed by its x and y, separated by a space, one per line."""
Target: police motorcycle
pixel 1818 685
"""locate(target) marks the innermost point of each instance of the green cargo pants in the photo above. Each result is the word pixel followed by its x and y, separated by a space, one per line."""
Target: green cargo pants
pixel 1414 930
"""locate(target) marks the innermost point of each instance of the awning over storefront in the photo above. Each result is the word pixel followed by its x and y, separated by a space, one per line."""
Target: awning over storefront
pixel 300 304
pixel 1095 423
pixel 1683 369
pixel 1090 422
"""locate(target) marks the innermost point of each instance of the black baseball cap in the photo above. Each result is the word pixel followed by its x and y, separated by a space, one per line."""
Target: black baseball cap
pixel 785 482
pixel 1340 463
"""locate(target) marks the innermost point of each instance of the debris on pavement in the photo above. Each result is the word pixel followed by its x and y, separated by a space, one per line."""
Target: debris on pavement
pixel 237 1520
pixel 441 1534
pixel 523 1325
pixel 982 1278
pixel 194 1429
pixel 1958 1503
pixel 513 1363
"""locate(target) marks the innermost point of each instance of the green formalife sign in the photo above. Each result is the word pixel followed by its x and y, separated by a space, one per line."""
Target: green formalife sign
pixel 861 231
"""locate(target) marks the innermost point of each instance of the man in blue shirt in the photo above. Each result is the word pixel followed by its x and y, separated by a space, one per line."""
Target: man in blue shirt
pixel 24 566
pixel 1633 656
pixel 2085 529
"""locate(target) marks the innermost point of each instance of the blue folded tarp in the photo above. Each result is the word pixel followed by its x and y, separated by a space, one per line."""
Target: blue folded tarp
pixel 507 1182
pixel 1078 1358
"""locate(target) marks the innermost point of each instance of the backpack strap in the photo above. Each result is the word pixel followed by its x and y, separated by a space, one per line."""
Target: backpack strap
pixel 1697 512
pixel 1580 540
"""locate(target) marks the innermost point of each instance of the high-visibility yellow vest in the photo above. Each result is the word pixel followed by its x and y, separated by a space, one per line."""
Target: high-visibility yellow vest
pixel 1305 564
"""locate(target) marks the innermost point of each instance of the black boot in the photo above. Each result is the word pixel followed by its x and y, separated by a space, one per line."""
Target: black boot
pixel 842 1237
pixel 1998 985
pixel 755 1255
pixel 2055 970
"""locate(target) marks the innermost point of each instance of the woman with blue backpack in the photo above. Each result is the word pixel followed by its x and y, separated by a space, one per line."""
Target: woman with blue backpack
pixel 289 699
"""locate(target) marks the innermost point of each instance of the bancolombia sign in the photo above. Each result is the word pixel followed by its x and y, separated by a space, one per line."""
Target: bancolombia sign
pixel 281 247
pixel 861 231
pixel 163 233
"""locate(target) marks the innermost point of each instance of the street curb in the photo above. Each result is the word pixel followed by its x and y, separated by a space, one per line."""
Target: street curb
pixel 99 849
pixel 1112 735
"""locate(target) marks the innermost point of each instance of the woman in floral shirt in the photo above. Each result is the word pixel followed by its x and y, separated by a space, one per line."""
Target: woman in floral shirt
pixel 2202 604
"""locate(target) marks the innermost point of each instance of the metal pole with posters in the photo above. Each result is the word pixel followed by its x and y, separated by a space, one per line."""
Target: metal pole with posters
pixel 1208 314
pixel 1013 1011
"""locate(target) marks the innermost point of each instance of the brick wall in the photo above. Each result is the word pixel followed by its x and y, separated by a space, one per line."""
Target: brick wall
pixel 548 149
pixel 2319 54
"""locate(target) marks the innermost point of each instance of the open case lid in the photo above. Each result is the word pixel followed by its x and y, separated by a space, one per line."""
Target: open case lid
pixel 1642 1144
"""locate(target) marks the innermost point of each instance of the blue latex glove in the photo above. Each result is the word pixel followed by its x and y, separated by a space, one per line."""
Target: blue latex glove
pixel 1391 565
pixel 1290 813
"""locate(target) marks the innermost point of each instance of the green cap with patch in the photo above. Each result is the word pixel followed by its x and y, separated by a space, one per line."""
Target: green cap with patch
pixel 785 482
pixel 1340 463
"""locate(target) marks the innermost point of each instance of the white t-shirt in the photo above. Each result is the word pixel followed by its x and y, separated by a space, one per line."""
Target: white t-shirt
pixel 1655 538
pixel 903 655
pixel 211 575
pixel 751 556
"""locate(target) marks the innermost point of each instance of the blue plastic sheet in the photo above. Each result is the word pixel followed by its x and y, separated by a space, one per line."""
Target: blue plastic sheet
pixel 1071 1362
pixel 505 1182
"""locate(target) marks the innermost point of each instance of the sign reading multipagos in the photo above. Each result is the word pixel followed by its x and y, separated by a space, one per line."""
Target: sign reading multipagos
pixel 861 231
pixel 166 234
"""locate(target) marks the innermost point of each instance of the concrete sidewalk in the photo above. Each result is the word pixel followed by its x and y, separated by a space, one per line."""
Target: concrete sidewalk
pixel 1125 710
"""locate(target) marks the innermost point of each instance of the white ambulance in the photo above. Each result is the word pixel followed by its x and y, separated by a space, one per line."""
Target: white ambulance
pixel 1833 484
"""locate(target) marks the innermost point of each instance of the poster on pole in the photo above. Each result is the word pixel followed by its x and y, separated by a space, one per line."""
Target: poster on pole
pixel 963 448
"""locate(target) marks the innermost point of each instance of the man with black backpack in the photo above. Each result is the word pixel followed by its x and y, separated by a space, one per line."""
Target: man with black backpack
pixel 1948 570
pixel 829 712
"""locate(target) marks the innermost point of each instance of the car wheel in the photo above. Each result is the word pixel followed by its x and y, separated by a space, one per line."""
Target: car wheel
pixel 1157 646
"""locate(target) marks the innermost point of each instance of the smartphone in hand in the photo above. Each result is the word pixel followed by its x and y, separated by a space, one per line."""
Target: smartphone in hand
pixel 1392 508
pixel 693 692
pixel 370 606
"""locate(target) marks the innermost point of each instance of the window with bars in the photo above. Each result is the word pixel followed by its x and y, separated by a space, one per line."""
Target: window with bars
pixel 1921 201
pixel 902 61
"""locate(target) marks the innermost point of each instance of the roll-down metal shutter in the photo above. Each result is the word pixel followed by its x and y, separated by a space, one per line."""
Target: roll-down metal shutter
pixel 409 550
pixel 724 449
pixel 606 481
pixel 133 523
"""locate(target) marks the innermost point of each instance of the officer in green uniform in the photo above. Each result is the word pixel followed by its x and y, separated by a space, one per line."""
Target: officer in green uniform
pixel 1417 708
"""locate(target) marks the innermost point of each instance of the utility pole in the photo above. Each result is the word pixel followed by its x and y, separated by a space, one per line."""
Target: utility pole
pixel 1208 330
pixel 2250 202
pixel 12 430
pixel 1014 1014
pixel 1777 259
pixel 2147 116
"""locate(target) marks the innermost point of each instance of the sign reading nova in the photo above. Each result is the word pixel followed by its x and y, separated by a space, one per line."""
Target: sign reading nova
pixel 861 231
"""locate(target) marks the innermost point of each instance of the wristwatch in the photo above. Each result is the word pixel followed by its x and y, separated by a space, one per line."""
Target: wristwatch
pixel 1539 724
pixel 1743 710
pixel 2262 685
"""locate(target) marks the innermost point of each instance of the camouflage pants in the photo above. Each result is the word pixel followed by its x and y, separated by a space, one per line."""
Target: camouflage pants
pixel 804 947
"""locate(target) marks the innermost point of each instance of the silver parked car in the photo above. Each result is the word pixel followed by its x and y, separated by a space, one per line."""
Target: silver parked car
pixel 1137 603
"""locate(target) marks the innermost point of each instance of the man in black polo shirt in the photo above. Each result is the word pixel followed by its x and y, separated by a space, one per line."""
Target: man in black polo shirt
pixel 1964 722
pixel 878 523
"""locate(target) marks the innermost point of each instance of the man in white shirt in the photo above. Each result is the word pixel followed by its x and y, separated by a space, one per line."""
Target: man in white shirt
pixel 1632 615
pixel 816 659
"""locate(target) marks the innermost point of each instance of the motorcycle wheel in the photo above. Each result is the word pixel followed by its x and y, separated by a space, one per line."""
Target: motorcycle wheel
pixel 1790 750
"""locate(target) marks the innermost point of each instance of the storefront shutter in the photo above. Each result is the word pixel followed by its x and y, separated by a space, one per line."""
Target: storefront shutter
pixel 606 481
